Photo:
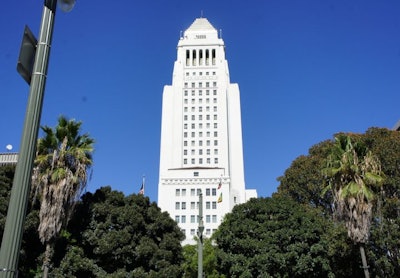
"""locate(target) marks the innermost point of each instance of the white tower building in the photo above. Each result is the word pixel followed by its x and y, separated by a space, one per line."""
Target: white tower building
pixel 201 135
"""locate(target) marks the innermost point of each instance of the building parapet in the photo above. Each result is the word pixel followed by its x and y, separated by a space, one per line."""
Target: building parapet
pixel 8 158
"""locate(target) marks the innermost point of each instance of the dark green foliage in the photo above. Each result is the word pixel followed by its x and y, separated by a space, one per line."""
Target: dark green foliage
pixel 384 244
pixel 303 181
pixel 6 178
pixel 109 235
pixel 122 236
pixel 31 247
pixel 277 237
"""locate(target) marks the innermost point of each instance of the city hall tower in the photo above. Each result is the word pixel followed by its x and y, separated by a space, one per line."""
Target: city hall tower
pixel 201 135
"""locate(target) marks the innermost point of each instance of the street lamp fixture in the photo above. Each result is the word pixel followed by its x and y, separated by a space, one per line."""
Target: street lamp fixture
pixel 13 230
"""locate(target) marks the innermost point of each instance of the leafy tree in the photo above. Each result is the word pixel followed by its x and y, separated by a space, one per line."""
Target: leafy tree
pixel 352 173
pixel 277 237
pixel 120 236
pixel 31 247
pixel 302 179
pixel 384 244
pixel 63 159
pixel 190 265
pixel 6 178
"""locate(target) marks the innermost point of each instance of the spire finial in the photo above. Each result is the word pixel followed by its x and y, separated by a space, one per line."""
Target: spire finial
pixel 201 14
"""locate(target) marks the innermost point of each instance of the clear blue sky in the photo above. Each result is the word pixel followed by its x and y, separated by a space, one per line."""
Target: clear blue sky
pixel 306 70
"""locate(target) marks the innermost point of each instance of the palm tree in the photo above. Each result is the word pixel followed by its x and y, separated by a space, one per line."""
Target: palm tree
pixel 354 175
pixel 61 171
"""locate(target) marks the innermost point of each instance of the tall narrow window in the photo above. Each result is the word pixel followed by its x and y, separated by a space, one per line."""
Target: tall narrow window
pixel 213 56
pixel 201 57
pixel 207 57
pixel 187 58
pixel 194 57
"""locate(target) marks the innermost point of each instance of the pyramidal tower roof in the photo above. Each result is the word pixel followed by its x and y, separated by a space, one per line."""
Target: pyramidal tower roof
pixel 200 24
pixel 200 32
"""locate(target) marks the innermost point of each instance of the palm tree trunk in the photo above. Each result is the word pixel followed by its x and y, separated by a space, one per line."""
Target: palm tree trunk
pixel 364 261
pixel 47 259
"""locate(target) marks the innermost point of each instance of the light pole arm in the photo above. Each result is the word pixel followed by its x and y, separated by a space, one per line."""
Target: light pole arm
pixel 13 230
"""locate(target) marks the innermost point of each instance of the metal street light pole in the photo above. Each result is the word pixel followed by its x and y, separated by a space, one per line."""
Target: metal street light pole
pixel 13 231
pixel 200 242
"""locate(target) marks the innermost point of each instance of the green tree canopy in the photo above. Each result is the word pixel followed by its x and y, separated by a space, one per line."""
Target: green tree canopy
pixel 31 248
pixel 304 179
pixel 277 237
pixel 121 236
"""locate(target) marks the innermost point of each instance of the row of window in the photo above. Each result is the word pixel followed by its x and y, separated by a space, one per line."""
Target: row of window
pixel 200 134
pixel 195 191
pixel 195 205
pixel 200 161
pixel 193 143
pixel 200 108
pixel 200 126
pixel 200 100
pixel 185 117
pixel 195 219
pixel 193 152
pixel 194 231
pixel 199 84
pixel 200 73
pixel 200 93
pixel 200 57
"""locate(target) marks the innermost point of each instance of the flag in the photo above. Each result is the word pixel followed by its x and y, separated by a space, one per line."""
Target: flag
pixel 141 191
pixel 220 184
pixel 220 198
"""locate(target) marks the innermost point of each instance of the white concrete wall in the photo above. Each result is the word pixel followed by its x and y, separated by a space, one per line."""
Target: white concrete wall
pixel 174 174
